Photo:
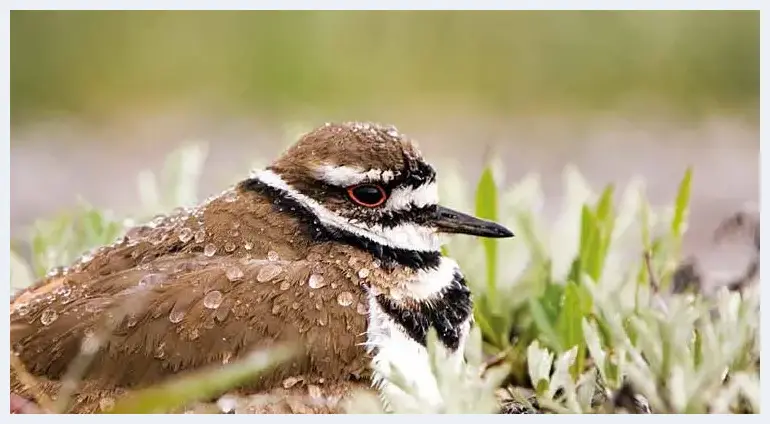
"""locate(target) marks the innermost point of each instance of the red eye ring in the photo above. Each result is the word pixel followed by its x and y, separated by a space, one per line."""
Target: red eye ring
pixel 363 195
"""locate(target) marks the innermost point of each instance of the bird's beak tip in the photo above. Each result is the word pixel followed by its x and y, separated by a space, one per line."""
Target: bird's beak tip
pixel 451 221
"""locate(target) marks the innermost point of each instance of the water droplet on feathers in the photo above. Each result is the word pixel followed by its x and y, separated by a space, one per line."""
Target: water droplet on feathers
pixel 213 299
pixel 230 196
pixel 233 273
pixel 290 382
pixel 345 298
pixel 152 280
pixel 106 403
pixel 209 250
pixel 185 235
pixel 316 281
pixel 48 317
pixel 268 272
pixel 176 316
pixel 21 309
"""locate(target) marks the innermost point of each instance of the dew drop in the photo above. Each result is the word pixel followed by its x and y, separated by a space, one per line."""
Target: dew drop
pixel 132 321
pixel 87 257
pixel 106 403
pixel 231 196
pixel 55 272
pixel 276 309
pixel 234 233
pixel 363 273
pixel 316 281
pixel 248 246
pixel 213 299
pixel 63 290
pixel 345 298
pixel 209 250
pixel 152 280
pixel 221 314
pixel 48 316
pixel 94 307
pixel 200 235
pixel 285 285
pixel 272 256
pixel 233 273
pixel 160 350
pixel 21 309
pixel 185 235
pixel 290 382
pixel 176 316
pixel 352 261
pixel 230 247
pixel 268 272
pixel 361 309
pixel 376 263
pixel 295 306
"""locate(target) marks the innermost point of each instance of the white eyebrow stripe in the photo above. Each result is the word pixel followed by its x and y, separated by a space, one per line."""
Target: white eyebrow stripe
pixel 401 198
pixel 405 236
pixel 404 198
pixel 344 176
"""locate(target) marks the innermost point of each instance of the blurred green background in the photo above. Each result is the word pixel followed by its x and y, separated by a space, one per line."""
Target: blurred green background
pixel 99 96
pixel 98 64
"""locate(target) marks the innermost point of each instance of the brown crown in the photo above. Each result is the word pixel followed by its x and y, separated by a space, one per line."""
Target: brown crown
pixel 357 144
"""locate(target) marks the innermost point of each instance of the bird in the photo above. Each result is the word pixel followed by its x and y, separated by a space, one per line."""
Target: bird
pixel 336 245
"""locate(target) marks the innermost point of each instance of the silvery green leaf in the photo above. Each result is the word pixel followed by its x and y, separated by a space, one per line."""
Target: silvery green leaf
pixel 21 274
pixel 539 363
pixel 561 377
pixel 149 195
pixel 587 387
pixel 187 172
pixel 645 383
pixel 564 239
pixel 591 335
pixel 677 392
pixel 628 208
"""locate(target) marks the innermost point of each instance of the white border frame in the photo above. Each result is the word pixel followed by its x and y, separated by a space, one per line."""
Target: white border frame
pixel 329 5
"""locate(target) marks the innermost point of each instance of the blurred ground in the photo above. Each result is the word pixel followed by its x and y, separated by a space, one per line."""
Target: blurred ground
pixel 53 164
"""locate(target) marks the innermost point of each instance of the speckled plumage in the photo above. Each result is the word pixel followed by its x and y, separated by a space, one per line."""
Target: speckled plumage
pixel 246 269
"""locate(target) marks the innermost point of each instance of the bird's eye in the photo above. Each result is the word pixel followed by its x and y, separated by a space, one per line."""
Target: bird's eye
pixel 368 195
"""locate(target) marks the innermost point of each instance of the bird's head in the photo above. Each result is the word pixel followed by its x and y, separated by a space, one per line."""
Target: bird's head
pixel 372 181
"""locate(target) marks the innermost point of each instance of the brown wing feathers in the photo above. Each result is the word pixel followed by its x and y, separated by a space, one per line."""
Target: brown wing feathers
pixel 191 318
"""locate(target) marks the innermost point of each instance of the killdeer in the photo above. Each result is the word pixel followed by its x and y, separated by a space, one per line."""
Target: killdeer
pixel 335 244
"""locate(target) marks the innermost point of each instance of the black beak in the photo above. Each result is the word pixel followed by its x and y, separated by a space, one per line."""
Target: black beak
pixel 450 221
